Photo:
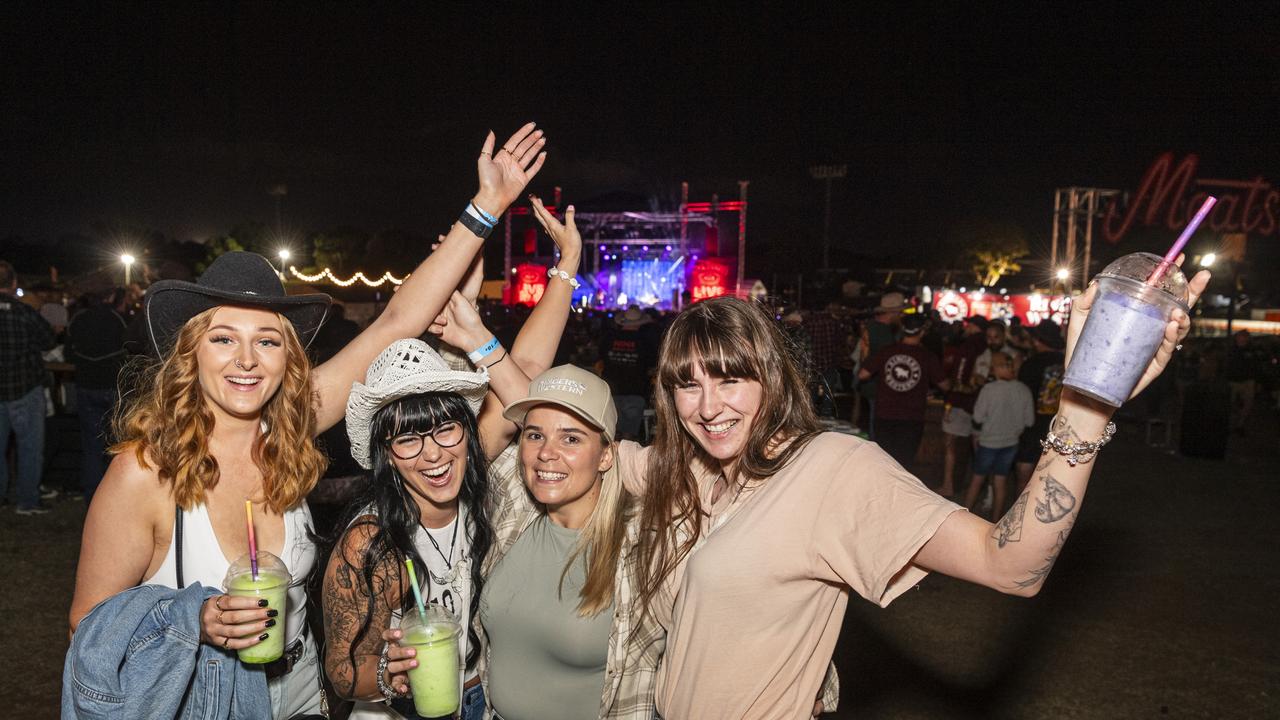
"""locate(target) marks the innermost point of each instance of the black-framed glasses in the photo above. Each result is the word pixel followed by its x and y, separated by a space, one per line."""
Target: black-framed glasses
pixel 408 446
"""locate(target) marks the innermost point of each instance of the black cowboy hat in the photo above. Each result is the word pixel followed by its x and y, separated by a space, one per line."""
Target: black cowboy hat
pixel 234 278
pixel 1049 333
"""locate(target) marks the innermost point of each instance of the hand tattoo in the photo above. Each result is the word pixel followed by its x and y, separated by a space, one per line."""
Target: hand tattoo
pixel 1058 501
pixel 1009 529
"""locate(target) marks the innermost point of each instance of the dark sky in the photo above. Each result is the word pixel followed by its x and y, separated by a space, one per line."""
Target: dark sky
pixel 179 120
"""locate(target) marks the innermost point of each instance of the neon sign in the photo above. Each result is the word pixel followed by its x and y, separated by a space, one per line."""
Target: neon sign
pixel 531 282
pixel 708 279
pixel 1171 195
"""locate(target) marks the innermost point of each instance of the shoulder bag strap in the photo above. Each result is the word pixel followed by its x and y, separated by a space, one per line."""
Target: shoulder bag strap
pixel 177 544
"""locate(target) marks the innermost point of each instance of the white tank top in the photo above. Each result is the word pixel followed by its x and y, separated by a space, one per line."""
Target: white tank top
pixel 203 561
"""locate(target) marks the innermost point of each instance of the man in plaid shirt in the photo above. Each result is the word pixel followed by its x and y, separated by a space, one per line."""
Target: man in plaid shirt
pixel 24 335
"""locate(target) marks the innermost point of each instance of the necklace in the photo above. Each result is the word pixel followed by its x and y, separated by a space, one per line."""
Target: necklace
pixel 448 559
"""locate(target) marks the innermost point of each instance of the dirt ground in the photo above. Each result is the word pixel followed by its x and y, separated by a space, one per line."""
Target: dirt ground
pixel 1163 604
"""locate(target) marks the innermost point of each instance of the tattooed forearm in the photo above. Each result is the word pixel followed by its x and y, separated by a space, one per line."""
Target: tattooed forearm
pixel 1057 503
pixel 1062 428
pixel 1009 529
pixel 1038 575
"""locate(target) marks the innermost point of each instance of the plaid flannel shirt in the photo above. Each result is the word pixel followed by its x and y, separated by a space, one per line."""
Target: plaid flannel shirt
pixel 24 335
pixel 636 640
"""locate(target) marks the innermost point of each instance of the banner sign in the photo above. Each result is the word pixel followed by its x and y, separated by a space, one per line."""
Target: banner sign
pixel 1030 308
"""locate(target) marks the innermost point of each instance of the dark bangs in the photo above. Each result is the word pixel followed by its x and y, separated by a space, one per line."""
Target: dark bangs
pixel 421 413
pixel 715 340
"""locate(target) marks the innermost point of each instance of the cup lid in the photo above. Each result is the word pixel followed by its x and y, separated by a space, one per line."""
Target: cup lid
pixel 440 624
pixel 1139 266
pixel 267 563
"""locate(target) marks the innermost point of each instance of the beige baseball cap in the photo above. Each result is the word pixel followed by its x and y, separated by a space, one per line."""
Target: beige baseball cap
pixel 581 392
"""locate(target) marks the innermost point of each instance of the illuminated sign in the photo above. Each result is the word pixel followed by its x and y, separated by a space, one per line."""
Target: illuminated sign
pixel 1170 195
pixel 531 282
pixel 708 279
pixel 1030 308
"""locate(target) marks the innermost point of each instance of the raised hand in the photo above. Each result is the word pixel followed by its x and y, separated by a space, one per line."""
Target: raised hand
pixel 460 325
pixel 565 235
pixel 1177 329
pixel 506 171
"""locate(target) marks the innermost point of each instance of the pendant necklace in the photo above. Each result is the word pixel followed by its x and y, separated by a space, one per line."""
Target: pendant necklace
pixel 448 559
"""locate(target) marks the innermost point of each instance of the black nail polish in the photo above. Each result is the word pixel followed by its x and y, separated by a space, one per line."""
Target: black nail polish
pixel 272 612
pixel 262 602
pixel 270 623
pixel 264 636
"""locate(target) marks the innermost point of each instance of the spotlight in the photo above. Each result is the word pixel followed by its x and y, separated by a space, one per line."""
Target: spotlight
pixel 1063 273
pixel 1208 260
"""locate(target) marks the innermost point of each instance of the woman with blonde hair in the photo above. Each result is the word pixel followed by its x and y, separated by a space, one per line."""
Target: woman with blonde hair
pixel 231 412
pixel 765 524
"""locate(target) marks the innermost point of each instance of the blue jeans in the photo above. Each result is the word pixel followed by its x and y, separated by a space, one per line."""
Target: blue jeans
pixel 25 417
pixel 472 705
pixel 94 408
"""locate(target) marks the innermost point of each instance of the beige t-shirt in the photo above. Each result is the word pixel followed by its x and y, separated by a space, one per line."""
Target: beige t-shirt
pixel 761 601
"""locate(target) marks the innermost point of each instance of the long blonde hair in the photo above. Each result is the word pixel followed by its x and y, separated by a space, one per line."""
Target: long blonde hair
pixel 726 337
pixel 166 422
pixel 600 541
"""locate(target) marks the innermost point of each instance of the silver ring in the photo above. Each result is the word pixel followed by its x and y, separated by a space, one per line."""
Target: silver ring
pixel 1178 346
pixel 485 152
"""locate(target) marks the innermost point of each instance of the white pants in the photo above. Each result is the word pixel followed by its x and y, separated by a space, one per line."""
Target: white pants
pixel 298 691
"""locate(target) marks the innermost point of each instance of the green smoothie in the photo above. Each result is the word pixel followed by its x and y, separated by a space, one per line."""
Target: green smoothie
pixel 435 681
pixel 273 586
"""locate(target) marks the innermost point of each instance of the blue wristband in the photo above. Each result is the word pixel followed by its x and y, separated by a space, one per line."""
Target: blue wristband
pixel 484 214
pixel 475 212
pixel 476 355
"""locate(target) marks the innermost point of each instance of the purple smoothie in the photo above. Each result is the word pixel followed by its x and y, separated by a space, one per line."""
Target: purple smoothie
pixel 1119 339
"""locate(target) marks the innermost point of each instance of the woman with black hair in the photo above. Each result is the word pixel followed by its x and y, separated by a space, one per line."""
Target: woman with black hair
pixel 418 426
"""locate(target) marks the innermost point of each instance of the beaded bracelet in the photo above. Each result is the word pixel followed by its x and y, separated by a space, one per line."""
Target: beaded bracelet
pixel 554 272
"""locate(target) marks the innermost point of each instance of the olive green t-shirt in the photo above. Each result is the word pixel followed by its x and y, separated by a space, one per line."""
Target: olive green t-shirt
pixel 545 661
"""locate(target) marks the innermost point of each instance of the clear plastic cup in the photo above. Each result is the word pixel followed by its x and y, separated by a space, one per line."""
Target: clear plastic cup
pixel 1125 327
pixel 272 583
pixel 435 682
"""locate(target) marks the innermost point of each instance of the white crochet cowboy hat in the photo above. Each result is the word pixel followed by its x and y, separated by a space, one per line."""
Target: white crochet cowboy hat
pixel 406 367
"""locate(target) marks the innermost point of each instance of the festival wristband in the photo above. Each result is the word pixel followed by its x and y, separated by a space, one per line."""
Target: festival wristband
pixel 477 228
pixel 478 214
pixel 484 215
pixel 476 355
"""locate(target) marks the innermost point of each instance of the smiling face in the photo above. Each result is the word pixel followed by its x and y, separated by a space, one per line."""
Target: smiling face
pixel 432 463
pixel 241 361
pixel 562 458
pixel 718 412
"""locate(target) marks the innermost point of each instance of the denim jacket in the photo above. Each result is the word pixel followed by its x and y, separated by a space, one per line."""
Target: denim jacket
pixel 138 655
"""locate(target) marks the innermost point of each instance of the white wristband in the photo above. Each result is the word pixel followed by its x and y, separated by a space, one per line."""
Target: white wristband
pixel 553 272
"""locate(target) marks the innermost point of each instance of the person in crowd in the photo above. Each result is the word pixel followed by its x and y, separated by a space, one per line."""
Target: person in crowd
pixel 904 373
pixel 231 413
pixel 1003 411
pixel 414 424
pixel 628 352
pixel 996 336
pixel 765 525
pixel 95 345
pixel 877 333
pixel 24 336
pixel 958 361
pixel 1242 376
pixel 1042 374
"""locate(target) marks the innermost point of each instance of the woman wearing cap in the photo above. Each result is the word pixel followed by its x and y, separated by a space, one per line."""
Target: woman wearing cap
pixel 230 413
pixel 773 523
pixel 413 423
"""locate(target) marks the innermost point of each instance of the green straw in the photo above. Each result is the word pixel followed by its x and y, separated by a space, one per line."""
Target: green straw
pixel 417 594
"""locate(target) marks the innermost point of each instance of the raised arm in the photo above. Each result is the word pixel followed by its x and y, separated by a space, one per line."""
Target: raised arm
pixel 503 175
pixel 1016 554
pixel 535 347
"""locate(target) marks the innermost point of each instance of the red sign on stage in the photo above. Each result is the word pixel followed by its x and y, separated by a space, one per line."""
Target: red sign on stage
pixel 531 282
pixel 708 279
pixel 1030 308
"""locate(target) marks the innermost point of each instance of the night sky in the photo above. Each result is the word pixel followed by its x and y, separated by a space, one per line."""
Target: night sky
pixel 178 120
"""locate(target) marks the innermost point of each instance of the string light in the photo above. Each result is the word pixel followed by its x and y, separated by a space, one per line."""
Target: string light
pixel 327 274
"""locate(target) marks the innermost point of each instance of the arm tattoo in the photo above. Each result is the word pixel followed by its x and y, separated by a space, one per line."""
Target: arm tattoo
pixel 1009 529
pixel 1038 575
pixel 1057 503
pixel 1045 461
pixel 1062 428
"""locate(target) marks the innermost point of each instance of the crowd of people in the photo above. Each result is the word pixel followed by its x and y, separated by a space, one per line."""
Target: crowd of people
pixel 592 576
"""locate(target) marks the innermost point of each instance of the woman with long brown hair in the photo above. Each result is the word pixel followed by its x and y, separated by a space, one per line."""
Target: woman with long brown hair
pixel 230 413
pixel 759 525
